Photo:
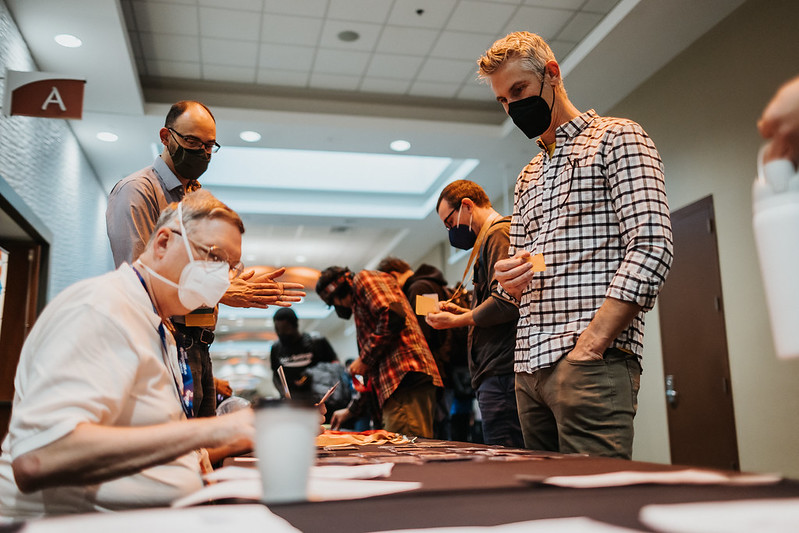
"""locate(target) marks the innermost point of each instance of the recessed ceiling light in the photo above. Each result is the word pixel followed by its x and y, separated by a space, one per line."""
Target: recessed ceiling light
pixel 250 136
pixel 108 137
pixel 400 145
pixel 348 36
pixel 70 41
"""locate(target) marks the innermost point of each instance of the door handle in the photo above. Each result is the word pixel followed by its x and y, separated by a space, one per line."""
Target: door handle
pixel 671 394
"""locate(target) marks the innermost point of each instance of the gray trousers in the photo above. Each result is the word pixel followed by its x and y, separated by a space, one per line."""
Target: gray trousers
pixel 581 407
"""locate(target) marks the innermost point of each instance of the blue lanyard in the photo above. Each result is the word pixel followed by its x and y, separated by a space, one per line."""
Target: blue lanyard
pixel 187 396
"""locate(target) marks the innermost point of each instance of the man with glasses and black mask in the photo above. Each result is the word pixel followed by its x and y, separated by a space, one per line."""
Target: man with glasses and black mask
pixel 134 205
pixel 590 247
pixel 472 223
pixel 393 356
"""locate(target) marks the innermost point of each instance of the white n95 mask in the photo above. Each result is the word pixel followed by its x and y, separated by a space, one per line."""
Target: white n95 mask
pixel 202 283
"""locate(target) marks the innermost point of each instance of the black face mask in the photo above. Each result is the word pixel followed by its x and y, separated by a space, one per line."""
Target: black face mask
pixel 343 311
pixel 190 164
pixel 532 115
pixel 462 235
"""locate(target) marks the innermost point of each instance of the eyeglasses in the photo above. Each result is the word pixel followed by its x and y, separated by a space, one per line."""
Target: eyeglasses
pixel 193 143
pixel 215 254
pixel 446 225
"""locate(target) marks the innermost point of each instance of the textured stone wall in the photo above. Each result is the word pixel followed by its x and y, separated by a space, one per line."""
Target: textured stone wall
pixel 42 161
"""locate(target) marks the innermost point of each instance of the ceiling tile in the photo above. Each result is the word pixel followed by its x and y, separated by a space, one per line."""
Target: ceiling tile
pixel 290 30
pixel 291 78
pixel 439 90
pixel 166 18
pixel 404 40
pixel 367 41
pixel 474 92
pixel 223 23
pixel 174 69
pixel 381 85
pixel 394 66
pixel 163 47
pixel 334 81
pixel 600 6
pixel 460 45
pixel 561 49
pixel 341 62
pixel 229 52
pixel 286 57
pixel 302 8
pixel 579 26
pixel 245 5
pixel 480 16
pixel 446 70
pixel 435 15
pixel 228 73
pixel 359 10
pixel 556 4
pixel 543 21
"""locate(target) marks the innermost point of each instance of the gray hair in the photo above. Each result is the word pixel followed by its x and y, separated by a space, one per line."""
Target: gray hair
pixel 197 205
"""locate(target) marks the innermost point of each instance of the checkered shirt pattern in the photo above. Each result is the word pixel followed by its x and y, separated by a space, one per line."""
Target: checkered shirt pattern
pixel 597 210
pixel 388 355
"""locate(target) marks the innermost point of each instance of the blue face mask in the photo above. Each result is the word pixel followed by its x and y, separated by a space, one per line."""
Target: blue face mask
pixel 462 235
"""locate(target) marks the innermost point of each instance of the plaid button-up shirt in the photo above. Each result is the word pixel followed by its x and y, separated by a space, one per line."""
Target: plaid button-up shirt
pixel 597 210
pixel 388 354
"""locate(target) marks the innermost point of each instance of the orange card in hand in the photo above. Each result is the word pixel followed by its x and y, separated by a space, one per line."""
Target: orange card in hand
pixel 537 262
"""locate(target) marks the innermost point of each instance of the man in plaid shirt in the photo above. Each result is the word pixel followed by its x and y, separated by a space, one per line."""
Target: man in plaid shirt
pixel 393 354
pixel 590 247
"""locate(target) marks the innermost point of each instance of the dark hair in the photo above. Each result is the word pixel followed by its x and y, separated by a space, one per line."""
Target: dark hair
pixel 178 108
pixel 334 282
pixel 284 314
pixel 455 192
pixel 393 264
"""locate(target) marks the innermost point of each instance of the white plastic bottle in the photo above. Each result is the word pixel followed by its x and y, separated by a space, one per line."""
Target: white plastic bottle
pixel 775 197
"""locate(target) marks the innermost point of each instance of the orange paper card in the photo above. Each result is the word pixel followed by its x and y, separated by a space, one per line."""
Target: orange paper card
pixel 537 261
pixel 426 303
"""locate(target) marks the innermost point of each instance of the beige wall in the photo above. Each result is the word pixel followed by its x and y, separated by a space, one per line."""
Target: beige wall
pixel 701 111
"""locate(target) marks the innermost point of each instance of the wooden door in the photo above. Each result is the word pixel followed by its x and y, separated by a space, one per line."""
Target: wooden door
pixel 695 361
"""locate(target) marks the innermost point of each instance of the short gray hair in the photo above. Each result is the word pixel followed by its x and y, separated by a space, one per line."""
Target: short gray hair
pixel 197 205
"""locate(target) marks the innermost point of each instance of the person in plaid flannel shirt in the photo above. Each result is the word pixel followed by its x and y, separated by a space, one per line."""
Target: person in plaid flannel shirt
pixel 393 355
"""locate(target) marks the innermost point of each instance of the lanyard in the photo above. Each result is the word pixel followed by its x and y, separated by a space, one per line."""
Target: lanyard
pixel 186 394
pixel 475 249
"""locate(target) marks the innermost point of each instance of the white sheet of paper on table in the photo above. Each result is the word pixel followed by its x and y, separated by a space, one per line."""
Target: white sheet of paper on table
pixel 691 476
pixel 212 519
pixel 548 525
pixel 742 516
pixel 319 490
pixel 370 471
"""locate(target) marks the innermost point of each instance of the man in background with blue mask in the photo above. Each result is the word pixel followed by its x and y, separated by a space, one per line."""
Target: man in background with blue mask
pixel 590 247
pixel 466 212
pixel 134 205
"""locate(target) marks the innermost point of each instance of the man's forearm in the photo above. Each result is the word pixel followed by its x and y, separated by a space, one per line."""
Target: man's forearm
pixel 92 453
pixel 608 322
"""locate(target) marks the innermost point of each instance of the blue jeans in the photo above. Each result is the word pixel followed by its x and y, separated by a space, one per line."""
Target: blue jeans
pixel 496 397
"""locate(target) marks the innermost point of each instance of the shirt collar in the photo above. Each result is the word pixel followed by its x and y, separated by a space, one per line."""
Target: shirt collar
pixel 571 129
pixel 139 295
pixel 168 178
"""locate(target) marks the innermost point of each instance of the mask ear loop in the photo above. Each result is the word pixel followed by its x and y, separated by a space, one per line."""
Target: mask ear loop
pixel 183 231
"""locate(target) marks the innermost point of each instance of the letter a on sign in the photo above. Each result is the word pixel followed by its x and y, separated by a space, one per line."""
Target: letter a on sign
pixel 40 94
pixel 54 98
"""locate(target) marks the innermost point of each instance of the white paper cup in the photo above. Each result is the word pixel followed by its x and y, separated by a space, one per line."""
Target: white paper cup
pixel 285 445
